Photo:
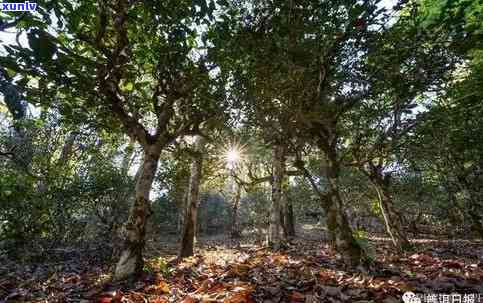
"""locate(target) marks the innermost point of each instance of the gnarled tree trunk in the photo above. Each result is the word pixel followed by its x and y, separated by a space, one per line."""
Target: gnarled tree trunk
pixel 340 231
pixel 131 259
pixel 189 231
pixel 392 218
pixel 274 239
pixel 341 234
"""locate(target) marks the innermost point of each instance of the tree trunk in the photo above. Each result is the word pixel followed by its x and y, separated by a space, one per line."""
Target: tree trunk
pixel 342 239
pixel 274 239
pixel 131 259
pixel 289 219
pixel 191 213
pixel 392 218
pixel 341 234
pixel 180 196
pixel 116 225
pixel 235 225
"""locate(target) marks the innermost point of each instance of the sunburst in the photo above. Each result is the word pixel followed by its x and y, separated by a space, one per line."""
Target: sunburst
pixel 233 154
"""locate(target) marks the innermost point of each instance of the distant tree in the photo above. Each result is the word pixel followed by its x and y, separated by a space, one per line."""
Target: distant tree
pixel 192 198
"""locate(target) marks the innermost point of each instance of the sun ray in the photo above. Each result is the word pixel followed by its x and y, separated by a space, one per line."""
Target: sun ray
pixel 232 155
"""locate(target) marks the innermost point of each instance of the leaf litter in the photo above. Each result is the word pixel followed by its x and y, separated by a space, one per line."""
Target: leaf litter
pixel 306 271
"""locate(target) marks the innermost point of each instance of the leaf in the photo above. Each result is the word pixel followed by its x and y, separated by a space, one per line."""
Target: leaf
pixel 241 269
pixel 453 264
pixel 129 86
pixel 237 298
pixel 188 299
pixel 222 2
pixel 111 297
pixel 23 82
pixel 297 297
pixel 105 300
pixel 164 287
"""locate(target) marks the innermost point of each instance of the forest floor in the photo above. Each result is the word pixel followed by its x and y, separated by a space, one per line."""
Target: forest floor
pixel 307 271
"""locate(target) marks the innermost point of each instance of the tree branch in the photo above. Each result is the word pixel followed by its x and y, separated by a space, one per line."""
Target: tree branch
pixel 324 198
pixel 109 76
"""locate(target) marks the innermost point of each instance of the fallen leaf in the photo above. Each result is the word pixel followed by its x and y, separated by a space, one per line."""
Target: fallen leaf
pixel 163 286
pixel 296 296
pixel 188 299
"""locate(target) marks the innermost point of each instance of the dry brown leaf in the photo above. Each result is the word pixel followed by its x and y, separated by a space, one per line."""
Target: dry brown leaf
pixel 163 286
pixel 296 296
pixel 188 299
pixel 240 297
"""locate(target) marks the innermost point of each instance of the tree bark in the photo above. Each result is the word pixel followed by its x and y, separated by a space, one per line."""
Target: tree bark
pixel 340 231
pixel 283 216
pixel 274 239
pixel 180 194
pixel 189 231
pixel 392 218
pixel 131 260
pixel 288 218
pixel 341 235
